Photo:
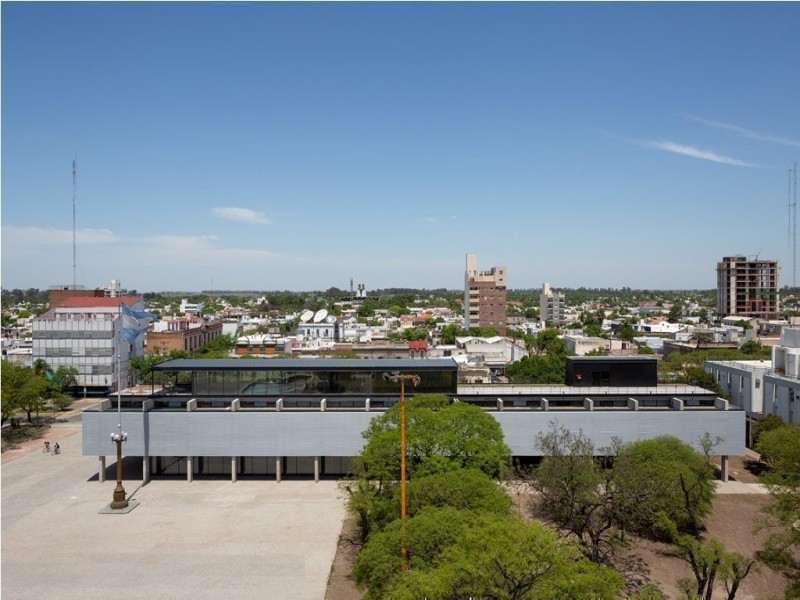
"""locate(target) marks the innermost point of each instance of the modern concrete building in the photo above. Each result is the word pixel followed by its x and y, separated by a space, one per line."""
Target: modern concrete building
pixel 552 306
pixel 748 287
pixel 484 296
pixel 761 387
pixel 85 333
pixel 258 418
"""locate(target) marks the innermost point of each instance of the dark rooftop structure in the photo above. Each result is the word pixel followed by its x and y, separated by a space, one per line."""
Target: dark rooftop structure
pixel 617 371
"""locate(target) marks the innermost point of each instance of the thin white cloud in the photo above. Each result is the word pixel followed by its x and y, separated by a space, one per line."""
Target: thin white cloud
pixel 430 219
pixel 51 236
pixel 244 215
pixel 747 133
pixel 693 152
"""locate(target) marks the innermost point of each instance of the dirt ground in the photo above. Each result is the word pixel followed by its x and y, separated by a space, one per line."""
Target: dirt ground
pixel 340 585
pixel 733 521
pixel 52 434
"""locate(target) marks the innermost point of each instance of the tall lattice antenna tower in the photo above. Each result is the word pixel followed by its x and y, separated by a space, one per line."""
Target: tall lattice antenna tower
pixel 793 221
pixel 74 244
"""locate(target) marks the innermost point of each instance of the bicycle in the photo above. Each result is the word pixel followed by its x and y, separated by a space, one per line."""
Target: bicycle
pixel 46 449
pixel 56 450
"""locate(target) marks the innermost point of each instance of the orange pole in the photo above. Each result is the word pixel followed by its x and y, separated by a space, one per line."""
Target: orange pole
pixel 403 474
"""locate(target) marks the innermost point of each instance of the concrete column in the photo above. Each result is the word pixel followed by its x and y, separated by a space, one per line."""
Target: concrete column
pixel 191 404
pixel 588 404
pixel 544 403
pixel 676 404
pixel 234 468
pixel 101 472
pixel 279 404
pixel 633 404
pixel 499 404
pixel 145 470
pixel 366 405
pixel 323 404
pixel 278 469
pixel 316 469
pixel 723 468
pixel 189 469
pixel 721 404
pixel 236 404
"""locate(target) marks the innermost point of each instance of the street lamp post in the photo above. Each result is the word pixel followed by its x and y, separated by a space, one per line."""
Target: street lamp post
pixel 415 380
pixel 119 492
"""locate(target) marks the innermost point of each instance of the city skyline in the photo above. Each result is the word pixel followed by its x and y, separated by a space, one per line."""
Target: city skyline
pixel 293 146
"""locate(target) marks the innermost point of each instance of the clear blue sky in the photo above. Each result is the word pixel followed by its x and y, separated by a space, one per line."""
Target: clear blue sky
pixel 292 146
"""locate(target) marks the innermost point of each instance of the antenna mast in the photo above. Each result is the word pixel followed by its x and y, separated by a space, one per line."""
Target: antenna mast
pixel 793 220
pixel 74 196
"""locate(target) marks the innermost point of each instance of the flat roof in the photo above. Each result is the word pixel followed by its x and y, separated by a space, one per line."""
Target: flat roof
pixel 307 364
pixel 629 358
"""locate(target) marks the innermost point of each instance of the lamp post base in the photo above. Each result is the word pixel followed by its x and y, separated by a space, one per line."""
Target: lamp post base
pixel 119 497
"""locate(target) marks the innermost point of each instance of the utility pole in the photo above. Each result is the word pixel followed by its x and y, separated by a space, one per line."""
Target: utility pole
pixel 415 380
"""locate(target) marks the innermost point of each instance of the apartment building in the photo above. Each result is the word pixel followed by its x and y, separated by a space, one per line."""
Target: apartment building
pixel 85 333
pixel 484 296
pixel 552 306
pixel 762 387
pixel 748 287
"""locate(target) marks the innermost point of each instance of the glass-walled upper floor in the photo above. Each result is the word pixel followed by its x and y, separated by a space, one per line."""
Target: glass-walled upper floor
pixel 233 378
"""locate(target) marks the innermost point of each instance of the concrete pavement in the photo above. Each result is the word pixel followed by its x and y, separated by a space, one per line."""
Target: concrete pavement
pixel 205 539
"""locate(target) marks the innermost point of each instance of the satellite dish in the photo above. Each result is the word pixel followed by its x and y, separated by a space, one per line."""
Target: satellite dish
pixel 306 316
pixel 320 316
pixel 330 319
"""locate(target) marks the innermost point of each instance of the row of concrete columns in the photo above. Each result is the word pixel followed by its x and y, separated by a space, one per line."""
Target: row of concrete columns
pixel 190 469
pixel 724 469
pixel 235 468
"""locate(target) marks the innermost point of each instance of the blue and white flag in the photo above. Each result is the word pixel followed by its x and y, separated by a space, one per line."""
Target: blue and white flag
pixel 134 322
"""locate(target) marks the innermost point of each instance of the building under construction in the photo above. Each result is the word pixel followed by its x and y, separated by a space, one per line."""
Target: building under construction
pixel 748 287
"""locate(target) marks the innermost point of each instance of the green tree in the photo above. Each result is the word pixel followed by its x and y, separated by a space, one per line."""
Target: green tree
pixel 574 491
pixel 645 350
pixel 441 437
pixel 450 332
pixel 64 378
pixel 551 368
pixel 625 332
pixel 22 389
pixel 710 563
pixel 219 347
pixel 663 478
pixel 781 448
pixel 765 424
pixel 676 312
pixel 503 557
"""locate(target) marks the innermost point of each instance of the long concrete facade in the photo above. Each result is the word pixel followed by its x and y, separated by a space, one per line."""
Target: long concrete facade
pixel 231 422
pixel 339 433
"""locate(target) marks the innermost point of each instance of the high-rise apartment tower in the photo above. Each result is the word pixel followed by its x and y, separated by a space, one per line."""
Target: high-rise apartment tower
pixel 551 306
pixel 748 287
pixel 484 296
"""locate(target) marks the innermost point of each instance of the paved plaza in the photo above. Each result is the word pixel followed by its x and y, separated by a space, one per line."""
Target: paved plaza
pixel 205 539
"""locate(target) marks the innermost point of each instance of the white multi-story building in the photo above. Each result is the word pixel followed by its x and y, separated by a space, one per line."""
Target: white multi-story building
pixel 86 333
pixel 191 308
pixel 552 306
pixel 763 387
